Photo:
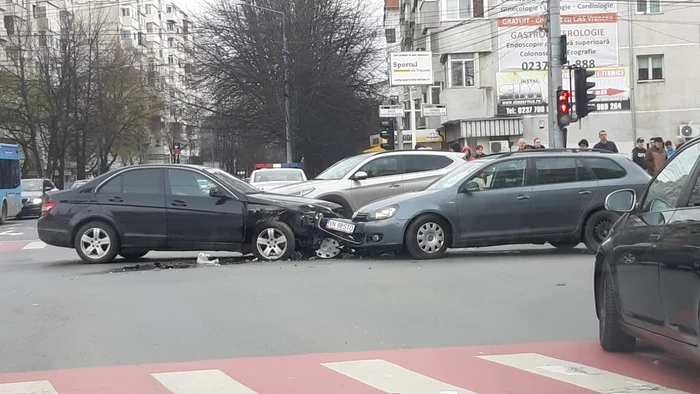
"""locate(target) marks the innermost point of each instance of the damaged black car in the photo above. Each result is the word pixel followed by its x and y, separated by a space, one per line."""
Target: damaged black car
pixel 133 210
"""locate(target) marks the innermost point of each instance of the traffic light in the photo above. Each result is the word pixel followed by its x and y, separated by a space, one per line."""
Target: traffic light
pixel 583 98
pixel 387 132
pixel 563 107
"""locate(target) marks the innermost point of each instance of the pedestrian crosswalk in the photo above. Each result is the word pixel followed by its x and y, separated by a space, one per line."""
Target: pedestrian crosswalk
pixel 419 373
pixel 11 246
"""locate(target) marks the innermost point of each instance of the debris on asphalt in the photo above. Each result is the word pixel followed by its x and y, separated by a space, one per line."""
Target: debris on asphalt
pixel 207 259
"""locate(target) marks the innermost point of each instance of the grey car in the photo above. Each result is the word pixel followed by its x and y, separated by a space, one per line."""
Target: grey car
pixel 534 196
pixel 359 180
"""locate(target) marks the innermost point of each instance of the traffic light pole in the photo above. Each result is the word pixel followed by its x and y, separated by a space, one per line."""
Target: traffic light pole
pixel 557 136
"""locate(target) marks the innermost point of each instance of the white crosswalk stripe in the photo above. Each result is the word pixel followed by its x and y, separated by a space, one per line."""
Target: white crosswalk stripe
pixel 38 387
pixel 210 381
pixel 35 245
pixel 392 378
pixel 594 379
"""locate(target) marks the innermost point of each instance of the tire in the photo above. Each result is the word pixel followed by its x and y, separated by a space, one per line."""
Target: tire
pixel 3 214
pixel 92 232
pixel 267 250
pixel 564 245
pixel 597 228
pixel 611 336
pixel 131 256
pixel 427 237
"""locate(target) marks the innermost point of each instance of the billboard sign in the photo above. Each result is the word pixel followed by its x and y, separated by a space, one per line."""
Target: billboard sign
pixel 590 28
pixel 525 92
pixel 410 68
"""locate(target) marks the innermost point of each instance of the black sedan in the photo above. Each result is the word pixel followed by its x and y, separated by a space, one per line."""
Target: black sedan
pixel 647 272
pixel 133 210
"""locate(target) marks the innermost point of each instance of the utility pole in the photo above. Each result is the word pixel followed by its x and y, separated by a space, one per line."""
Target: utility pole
pixel 287 117
pixel 557 136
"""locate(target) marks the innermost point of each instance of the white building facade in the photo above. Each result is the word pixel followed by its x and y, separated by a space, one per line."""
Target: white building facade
pixel 490 68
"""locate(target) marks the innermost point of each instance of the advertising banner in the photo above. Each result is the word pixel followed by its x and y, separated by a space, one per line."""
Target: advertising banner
pixel 590 28
pixel 410 68
pixel 525 92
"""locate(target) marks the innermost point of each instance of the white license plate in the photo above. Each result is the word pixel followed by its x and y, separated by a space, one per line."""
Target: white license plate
pixel 340 226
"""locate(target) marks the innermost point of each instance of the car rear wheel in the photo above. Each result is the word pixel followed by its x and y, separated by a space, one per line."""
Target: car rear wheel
pixel 131 256
pixel 3 214
pixel 97 243
pixel 273 241
pixel 611 336
pixel 598 226
pixel 427 237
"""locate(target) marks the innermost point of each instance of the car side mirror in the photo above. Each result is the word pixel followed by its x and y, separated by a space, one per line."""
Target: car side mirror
pixel 360 175
pixel 621 201
pixel 48 188
pixel 216 192
pixel 470 186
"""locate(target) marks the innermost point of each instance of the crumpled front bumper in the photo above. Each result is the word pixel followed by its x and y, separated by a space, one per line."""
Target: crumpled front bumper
pixel 380 234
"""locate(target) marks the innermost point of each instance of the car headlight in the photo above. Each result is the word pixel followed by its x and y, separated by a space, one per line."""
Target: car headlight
pixel 304 192
pixel 384 213
pixel 37 201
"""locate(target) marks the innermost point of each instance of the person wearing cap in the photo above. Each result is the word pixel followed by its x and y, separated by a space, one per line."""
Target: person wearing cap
pixel 656 156
pixel 639 153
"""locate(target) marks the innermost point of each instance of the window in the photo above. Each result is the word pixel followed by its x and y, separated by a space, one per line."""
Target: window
pixel 114 186
pixel 434 97
pixel 503 175
pixel 650 68
pixel 460 68
pixel 419 163
pixel 10 177
pixel 168 10
pixel 605 168
pixel 648 6
pixel 126 34
pixel 664 191
pixel 171 42
pixel 171 26
pixel 556 170
pixel 126 11
pixel 390 35
pixel 143 182
pixel 384 166
pixel 171 59
pixel 149 27
pixel 189 183
pixel 148 9
pixel 462 9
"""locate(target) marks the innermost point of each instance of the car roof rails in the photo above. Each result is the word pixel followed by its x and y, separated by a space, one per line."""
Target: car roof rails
pixel 551 150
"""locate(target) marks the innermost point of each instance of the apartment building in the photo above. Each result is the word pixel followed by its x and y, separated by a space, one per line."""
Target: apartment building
pixel 490 69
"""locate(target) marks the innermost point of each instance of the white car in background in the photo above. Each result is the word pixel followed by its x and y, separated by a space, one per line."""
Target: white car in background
pixel 270 178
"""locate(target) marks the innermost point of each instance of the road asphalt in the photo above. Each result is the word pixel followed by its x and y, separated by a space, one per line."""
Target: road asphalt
pixel 59 313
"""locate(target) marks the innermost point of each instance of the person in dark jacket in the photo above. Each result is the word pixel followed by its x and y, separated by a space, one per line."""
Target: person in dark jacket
pixel 639 153
pixel 656 156
pixel 479 151
pixel 604 143
pixel 583 144
pixel 455 147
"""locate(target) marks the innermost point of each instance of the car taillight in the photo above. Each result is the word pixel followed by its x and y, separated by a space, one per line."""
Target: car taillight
pixel 46 207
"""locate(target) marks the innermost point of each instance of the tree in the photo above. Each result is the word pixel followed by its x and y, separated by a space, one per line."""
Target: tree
pixel 332 63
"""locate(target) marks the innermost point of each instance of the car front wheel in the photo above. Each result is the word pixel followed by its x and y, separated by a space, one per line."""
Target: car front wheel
pixel 273 241
pixel 97 243
pixel 611 336
pixel 598 228
pixel 427 237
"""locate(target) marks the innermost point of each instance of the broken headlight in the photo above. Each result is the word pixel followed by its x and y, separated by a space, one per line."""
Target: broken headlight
pixel 384 213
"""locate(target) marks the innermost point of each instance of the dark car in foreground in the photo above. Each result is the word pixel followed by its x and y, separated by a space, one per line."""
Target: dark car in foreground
pixel 647 272
pixel 133 210
pixel 535 196
pixel 33 193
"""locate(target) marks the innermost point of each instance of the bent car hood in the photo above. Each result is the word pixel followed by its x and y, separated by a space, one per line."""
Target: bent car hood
pixel 289 201
pixel 272 185
pixel 297 187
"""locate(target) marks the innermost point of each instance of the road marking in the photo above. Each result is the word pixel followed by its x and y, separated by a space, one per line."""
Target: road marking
pixel 37 387
pixel 597 380
pixel 210 381
pixel 392 378
pixel 35 245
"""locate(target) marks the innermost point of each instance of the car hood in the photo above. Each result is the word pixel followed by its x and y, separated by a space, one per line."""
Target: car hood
pixel 289 201
pixel 31 194
pixel 272 185
pixel 300 186
pixel 415 197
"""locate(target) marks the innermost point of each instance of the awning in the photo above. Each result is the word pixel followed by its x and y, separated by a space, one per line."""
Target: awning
pixel 374 149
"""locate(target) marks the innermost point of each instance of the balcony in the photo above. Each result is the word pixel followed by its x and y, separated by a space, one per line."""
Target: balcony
pixel 14 9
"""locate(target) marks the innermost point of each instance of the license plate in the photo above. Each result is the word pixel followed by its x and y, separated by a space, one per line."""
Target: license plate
pixel 340 226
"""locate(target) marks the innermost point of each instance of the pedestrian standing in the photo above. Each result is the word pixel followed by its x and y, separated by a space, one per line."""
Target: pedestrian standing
pixel 670 149
pixel 583 144
pixel 455 147
pixel 522 144
pixel 656 156
pixel 604 143
pixel 538 144
pixel 639 153
pixel 678 142
pixel 479 151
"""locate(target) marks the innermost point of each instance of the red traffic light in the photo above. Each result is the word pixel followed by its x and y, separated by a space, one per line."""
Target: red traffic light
pixel 564 97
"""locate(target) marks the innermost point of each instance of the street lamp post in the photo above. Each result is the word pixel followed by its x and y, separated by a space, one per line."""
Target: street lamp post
pixel 285 67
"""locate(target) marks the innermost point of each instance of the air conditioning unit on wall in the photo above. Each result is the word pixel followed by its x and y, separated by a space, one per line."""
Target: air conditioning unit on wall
pixel 499 146
pixel 689 130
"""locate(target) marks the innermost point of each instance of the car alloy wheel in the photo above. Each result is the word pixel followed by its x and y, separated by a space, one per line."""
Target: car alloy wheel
pixel 271 243
pixel 430 237
pixel 95 243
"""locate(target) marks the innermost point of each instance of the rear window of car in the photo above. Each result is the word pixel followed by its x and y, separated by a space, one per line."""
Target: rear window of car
pixel 605 168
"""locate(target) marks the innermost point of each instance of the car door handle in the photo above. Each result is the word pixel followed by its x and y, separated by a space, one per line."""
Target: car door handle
pixel 116 199
pixel 394 186
pixel 178 203
pixel 655 237
pixel 522 198
pixel 584 193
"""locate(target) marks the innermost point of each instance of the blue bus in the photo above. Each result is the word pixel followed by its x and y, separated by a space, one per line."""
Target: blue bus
pixel 10 182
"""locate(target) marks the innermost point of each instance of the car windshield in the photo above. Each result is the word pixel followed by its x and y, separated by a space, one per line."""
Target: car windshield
pixel 32 185
pixel 278 176
pixel 233 182
pixel 340 169
pixel 458 175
